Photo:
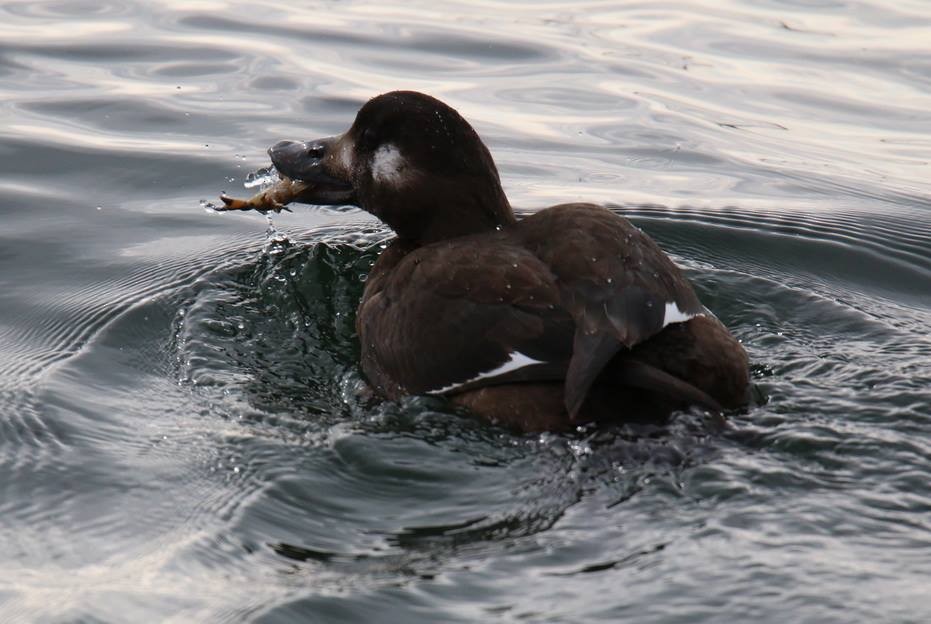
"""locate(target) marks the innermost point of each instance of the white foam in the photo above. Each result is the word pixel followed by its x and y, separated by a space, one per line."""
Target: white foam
pixel 516 360
pixel 388 165
pixel 673 314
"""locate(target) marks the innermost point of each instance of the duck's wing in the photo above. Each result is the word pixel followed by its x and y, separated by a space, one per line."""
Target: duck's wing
pixel 616 283
pixel 460 315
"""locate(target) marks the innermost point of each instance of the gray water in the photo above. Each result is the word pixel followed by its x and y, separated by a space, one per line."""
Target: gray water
pixel 182 435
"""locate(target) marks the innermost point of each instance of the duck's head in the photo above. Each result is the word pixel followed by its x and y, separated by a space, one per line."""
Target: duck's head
pixel 410 160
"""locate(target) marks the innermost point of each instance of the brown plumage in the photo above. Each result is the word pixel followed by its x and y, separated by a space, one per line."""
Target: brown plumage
pixel 569 315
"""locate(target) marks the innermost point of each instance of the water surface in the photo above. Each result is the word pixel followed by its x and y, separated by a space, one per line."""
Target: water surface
pixel 183 432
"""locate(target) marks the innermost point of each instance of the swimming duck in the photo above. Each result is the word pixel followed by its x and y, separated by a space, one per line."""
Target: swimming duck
pixel 566 316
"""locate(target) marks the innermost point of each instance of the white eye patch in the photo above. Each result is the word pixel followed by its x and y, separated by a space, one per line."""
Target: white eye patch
pixel 344 156
pixel 388 165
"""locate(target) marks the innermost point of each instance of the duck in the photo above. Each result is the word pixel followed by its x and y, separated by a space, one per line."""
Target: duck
pixel 566 317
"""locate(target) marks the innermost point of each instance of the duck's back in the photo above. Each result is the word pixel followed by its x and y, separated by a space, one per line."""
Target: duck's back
pixel 560 318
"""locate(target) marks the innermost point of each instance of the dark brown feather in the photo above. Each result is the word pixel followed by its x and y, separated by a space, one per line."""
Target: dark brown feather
pixel 480 299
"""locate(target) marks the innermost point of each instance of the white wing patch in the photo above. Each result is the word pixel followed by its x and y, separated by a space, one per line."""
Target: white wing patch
pixel 516 360
pixel 673 314
pixel 388 165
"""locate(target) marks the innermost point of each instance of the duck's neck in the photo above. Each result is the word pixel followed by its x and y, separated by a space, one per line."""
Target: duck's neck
pixel 447 211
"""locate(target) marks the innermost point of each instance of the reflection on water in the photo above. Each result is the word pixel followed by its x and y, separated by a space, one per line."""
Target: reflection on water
pixel 185 434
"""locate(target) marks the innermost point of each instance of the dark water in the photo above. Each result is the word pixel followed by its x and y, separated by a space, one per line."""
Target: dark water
pixel 182 436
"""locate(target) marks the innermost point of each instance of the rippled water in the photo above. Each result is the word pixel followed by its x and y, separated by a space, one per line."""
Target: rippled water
pixel 183 435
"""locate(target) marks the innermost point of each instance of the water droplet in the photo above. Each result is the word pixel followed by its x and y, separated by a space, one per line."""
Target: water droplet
pixel 265 176
pixel 99 207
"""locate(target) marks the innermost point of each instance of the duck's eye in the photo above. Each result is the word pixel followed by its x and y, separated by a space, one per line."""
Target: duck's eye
pixel 316 150
pixel 368 137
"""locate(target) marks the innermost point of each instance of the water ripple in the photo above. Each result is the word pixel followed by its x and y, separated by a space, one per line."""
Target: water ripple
pixel 182 405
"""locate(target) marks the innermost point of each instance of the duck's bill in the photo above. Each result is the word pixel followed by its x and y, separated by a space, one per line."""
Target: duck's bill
pixel 317 164
pixel 309 173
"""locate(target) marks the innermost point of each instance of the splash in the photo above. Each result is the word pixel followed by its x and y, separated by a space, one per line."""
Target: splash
pixel 263 178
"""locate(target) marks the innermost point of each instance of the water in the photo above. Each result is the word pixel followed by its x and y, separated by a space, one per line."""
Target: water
pixel 184 434
pixel 263 177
